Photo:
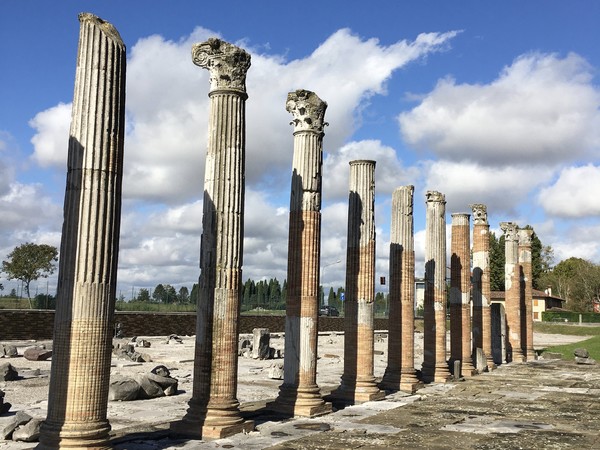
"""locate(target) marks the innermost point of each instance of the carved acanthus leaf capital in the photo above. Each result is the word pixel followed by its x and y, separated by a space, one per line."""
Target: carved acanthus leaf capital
pixel 479 214
pixel 525 236
pixel 510 230
pixel 308 111
pixel 227 63
pixel 435 196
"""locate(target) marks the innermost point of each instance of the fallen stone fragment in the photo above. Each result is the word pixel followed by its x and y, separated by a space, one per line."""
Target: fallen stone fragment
pixel 167 384
pixel 37 354
pixel 30 432
pixel 10 351
pixel 276 372
pixel 585 361
pixel 161 370
pixel 8 372
pixel 123 389
pixel 581 353
pixel 21 418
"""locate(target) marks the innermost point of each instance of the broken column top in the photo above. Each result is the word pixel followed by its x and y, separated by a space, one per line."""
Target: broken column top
pixel 525 235
pixel 434 196
pixel 308 111
pixel 227 63
pixel 510 230
pixel 479 213
pixel 460 218
pixel 105 26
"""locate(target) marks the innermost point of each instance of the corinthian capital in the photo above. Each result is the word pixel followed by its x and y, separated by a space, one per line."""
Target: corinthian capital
pixel 510 230
pixel 435 196
pixel 227 63
pixel 308 111
pixel 479 214
pixel 525 235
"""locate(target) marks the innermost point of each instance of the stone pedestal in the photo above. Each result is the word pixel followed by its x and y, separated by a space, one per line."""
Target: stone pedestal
pixel 526 277
pixel 460 295
pixel 435 366
pixel 400 373
pixel 83 329
pixel 482 322
pixel 512 288
pixel 299 394
pixel 214 409
pixel 358 381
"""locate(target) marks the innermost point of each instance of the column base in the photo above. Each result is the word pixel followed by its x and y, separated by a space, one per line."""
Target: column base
pixel 468 370
pixel 209 431
pixel 405 382
pixel 294 401
pixel 358 393
pixel 437 374
pixel 94 435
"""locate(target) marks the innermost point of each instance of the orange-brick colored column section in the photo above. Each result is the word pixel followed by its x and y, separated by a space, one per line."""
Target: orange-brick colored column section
pixel 525 263
pixel 400 373
pixel 435 366
pixel 512 292
pixel 214 409
pixel 299 394
pixel 482 318
pixel 460 294
pixel 78 393
pixel 358 381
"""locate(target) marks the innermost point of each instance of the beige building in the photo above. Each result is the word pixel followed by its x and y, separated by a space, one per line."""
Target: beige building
pixel 542 301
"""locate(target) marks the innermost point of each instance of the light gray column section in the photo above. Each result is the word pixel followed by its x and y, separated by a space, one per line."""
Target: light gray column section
pixel 78 393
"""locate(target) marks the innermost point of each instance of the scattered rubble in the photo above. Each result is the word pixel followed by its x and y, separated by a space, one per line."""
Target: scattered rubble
pixel 8 372
pixel 157 383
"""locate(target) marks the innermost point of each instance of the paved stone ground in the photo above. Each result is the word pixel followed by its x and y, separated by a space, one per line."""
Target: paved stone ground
pixel 545 404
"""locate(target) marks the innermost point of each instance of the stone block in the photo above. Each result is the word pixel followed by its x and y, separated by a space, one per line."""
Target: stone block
pixel 30 432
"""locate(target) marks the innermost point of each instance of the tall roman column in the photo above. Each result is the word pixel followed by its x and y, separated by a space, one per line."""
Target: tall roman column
pixel 482 318
pixel 89 249
pixel 460 294
pixel 400 373
pixel 512 288
pixel 299 394
pixel 214 409
pixel 358 382
pixel 435 366
pixel 526 276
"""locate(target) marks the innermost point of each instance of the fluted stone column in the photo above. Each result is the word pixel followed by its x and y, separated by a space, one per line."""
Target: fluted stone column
pixel 299 394
pixel 400 373
pixel 214 409
pixel 435 366
pixel 460 294
pixel 512 294
pixel 358 382
pixel 526 291
pixel 87 278
pixel 482 318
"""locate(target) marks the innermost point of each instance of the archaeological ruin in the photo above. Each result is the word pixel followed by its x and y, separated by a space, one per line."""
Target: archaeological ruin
pixel 83 330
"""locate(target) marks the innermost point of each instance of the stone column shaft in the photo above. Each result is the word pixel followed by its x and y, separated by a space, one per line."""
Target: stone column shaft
pixel 460 294
pixel 400 373
pixel 482 319
pixel 526 275
pixel 300 395
pixel 358 382
pixel 435 366
pixel 78 393
pixel 512 288
pixel 214 409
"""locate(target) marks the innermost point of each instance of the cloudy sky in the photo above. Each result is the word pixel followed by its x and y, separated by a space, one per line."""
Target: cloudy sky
pixel 486 102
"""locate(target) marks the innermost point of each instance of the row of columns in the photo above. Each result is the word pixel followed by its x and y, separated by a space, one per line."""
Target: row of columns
pixel 87 274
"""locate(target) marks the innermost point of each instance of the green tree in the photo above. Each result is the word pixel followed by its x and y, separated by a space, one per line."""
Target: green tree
pixel 194 294
pixel 183 296
pixel 159 293
pixel 496 262
pixel 143 295
pixel 29 262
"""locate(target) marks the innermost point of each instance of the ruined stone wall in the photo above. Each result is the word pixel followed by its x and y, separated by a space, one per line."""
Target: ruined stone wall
pixel 23 324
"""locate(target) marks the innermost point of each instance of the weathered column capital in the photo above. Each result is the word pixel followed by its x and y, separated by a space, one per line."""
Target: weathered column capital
pixel 479 214
pixel 107 28
pixel 435 196
pixel 525 235
pixel 510 231
pixel 308 111
pixel 227 64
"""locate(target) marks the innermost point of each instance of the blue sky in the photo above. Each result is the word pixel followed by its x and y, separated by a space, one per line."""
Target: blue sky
pixel 487 102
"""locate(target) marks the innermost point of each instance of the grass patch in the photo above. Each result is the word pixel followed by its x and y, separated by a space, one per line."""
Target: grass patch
pixel 592 345
pixel 14 303
pixel 264 312
pixel 560 328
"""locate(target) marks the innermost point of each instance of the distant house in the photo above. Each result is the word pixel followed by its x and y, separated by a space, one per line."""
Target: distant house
pixel 542 301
